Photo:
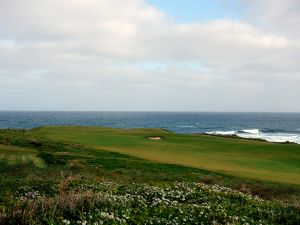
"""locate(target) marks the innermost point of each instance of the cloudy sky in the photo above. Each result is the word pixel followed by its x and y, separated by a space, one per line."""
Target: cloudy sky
pixel 150 55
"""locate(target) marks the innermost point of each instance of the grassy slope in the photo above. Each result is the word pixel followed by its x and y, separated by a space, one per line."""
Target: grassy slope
pixel 244 158
pixel 56 180
pixel 24 155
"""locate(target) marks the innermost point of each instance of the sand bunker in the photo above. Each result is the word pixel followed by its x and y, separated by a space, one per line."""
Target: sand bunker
pixel 155 138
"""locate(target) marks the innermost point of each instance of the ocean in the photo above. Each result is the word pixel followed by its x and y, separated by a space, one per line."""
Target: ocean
pixel 275 127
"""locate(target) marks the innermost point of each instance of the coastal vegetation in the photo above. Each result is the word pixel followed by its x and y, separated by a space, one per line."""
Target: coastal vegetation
pixel 94 175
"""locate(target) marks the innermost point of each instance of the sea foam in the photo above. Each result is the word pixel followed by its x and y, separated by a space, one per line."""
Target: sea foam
pixel 251 131
pixel 222 132
pixel 258 134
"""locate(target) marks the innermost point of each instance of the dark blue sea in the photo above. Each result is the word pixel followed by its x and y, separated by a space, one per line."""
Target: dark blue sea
pixel 277 127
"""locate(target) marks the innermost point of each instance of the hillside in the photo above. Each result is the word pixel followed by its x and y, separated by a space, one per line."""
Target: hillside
pixel 237 157
pixel 67 175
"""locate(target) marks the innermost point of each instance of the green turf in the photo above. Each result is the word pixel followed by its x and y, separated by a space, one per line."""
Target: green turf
pixel 28 154
pixel 237 157
pixel 61 175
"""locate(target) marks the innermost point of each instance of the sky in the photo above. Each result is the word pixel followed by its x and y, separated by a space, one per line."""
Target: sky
pixel 150 55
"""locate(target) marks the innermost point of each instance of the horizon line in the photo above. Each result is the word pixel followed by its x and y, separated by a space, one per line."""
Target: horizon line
pixel 154 111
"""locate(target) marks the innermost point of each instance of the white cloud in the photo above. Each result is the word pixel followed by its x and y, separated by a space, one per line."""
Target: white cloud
pixel 282 17
pixel 68 54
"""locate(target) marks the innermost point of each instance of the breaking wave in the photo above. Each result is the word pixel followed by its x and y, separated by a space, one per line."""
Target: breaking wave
pixel 222 132
pixel 186 126
pixel 252 131
pixel 268 135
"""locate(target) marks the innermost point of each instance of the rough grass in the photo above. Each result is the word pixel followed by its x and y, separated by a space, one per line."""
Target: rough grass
pixel 237 157
pixel 13 155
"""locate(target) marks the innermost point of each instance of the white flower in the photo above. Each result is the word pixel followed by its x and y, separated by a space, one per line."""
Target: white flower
pixel 66 221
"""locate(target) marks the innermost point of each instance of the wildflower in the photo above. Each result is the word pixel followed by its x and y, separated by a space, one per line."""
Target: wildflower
pixel 65 221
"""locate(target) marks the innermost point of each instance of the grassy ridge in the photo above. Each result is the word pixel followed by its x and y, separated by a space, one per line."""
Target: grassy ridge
pixel 23 154
pixel 31 154
pixel 237 157
pixel 72 175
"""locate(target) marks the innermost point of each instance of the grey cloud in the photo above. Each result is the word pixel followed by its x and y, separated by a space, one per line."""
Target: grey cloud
pixel 281 17
pixel 97 55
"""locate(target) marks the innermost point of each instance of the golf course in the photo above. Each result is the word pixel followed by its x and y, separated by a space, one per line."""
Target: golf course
pixel 238 157
pixel 102 175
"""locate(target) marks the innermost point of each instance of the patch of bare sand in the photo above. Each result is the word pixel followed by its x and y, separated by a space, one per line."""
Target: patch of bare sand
pixel 155 138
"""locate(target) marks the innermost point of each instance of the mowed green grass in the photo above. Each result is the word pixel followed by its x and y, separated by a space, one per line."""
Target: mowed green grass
pixel 238 157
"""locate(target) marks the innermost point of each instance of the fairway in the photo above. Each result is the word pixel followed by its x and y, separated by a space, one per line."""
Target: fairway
pixel 238 157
